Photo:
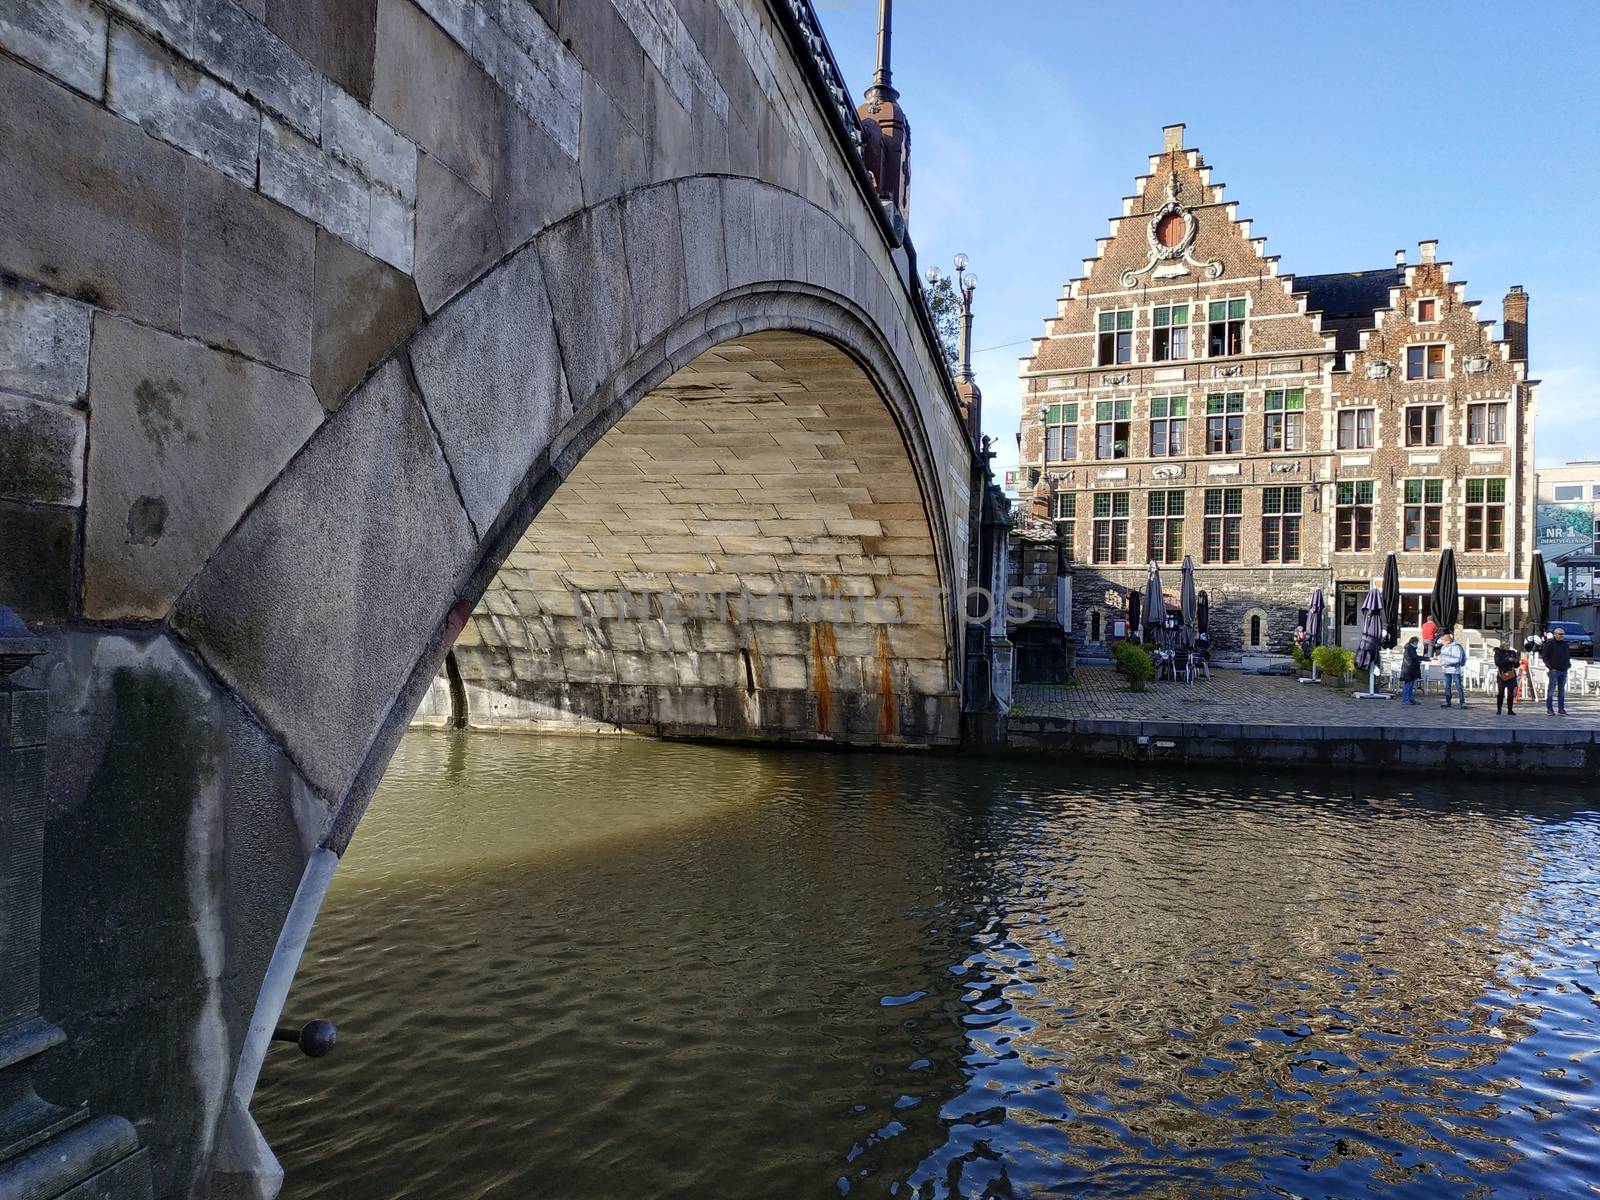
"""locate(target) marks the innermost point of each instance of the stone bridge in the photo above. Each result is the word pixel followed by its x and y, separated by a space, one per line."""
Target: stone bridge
pixel 574 335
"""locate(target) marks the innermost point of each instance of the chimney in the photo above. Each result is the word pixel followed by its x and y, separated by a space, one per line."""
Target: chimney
pixel 1171 138
pixel 1515 322
pixel 1399 258
pixel 1429 248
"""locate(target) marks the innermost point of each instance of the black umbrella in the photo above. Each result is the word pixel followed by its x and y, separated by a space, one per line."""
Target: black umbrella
pixel 1133 610
pixel 1538 595
pixel 1391 602
pixel 1371 630
pixel 1202 615
pixel 1444 602
pixel 1314 611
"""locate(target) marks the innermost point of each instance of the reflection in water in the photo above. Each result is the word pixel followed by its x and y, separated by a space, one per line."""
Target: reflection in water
pixel 596 968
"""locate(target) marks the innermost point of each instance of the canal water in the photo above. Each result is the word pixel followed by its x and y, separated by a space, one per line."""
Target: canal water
pixel 576 968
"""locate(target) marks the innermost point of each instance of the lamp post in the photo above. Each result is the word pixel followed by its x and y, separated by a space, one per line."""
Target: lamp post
pixel 965 285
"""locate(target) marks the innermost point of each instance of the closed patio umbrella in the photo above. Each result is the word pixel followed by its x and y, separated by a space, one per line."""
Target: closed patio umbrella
pixel 1445 600
pixel 1202 616
pixel 1538 595
pixel 1391 602
pixel 1188 604
pixel 1133 611
pixel 1314 612
pixel 1155 604
pixel 1367 648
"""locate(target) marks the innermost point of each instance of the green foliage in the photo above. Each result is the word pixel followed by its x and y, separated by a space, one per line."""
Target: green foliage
pixel 945 308
pixel 1334 660
pixel 1134 661
pixel 1300 659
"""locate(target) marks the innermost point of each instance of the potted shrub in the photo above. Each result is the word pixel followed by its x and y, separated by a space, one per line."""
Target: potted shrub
pixel 1334 663
pixel 1135 662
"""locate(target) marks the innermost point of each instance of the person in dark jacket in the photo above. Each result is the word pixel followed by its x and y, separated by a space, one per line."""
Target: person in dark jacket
pixel 1506 661
pixel 1557 655
pixel 1410 672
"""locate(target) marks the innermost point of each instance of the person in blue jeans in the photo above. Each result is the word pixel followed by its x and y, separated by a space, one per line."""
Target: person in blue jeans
pixel 1410 672
pixel 1452 656
pixel 1557 655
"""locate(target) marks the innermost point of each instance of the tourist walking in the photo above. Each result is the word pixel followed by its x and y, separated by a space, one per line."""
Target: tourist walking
pixel 1506 663
pixel 1452 656
pixel 1410 672
pixel 1430 630
pixel 1557 655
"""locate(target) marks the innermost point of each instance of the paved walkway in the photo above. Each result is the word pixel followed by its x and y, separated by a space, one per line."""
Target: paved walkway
pixel 1236 698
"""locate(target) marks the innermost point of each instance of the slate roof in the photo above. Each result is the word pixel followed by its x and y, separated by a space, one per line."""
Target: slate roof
pixel 1347 300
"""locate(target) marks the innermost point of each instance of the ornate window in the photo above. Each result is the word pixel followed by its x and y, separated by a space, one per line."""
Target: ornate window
pixel 1425 362
pixel 1353 515
pixel 1224 328
pixel 1280 524
pixel 1225 423
pixel 1111 421
pixel 1111 527
pixel 1424 514
pixel 1060 432
pixel 1164 526
pixel 1115 343
pixel 1284 428
pixel 1168 424
pixel 1486 424
pixel 1425 425
pixel 1486 514
pixel 1224 507
pixel 1169 337
pixel 1354 428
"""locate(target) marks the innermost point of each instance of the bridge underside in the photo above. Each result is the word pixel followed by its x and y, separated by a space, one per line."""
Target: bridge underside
pixel 746 554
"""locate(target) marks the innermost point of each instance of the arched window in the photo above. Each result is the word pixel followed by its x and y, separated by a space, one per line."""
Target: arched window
pixel 1094 625
pixel 1255 629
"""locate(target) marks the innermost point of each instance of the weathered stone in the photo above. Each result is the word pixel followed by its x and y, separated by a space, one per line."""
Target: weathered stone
pixel 171 20
pixel 520 52
pixel 176 103
pixel 653 250
pixel 339 36
pixel 457 238
pixel 66 38
pixel 350 131
pixel 391 233
pixel 704 246
pixel 739 229
pixel 490 373
pixel 116 247
pixel 313 183
pixel 184 438
pixel 535 183
pixel 36 560
pixel 247 272
pixel 603 43
pixel 41 451
pixel 588 287
pixel 281 610
pixel 428 89
pixel 228 43
pixel 349 339
pixel 44 345
pixel 612 161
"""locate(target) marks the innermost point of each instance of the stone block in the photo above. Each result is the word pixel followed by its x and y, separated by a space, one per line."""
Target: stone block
pixel 521 52
pixel 457 238
pixel 535 183
pixel 653 249
pixel 248 268
pixel 610 52
pixel 339 36
pixel 363 309
pixel 282 610
pixel 41 451
pixel 176 103
pixel 611 160
pixel 36 551
pixel 490 373
pixel 44 345
pixel 739 227
pixel 314 184
pixel 391 229
pixel 64 38
pixel 170 20
pixel 233 46
pixel 704 246
pixel 587 281
pixel 430 90
pixel 185 437
pixel 117 247
pixel 352 133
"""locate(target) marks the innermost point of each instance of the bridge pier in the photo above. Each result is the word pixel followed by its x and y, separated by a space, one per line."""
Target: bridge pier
pixel 47 1150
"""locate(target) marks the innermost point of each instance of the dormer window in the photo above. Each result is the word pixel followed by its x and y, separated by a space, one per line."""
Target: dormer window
pixel 1427 309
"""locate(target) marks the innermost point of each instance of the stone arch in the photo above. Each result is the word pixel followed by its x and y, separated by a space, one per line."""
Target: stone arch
pixel 1255 629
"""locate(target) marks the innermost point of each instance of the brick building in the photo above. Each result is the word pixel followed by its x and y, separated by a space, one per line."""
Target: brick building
pixel 1285 431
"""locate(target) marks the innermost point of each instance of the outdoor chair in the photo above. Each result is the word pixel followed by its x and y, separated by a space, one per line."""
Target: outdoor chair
pixel 1475 674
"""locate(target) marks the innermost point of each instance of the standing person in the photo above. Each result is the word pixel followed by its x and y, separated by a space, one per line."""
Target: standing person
pixel 1454 656
pixel 1410 672
pixel 1506 664
pixel 1430 630
pixel 1557 655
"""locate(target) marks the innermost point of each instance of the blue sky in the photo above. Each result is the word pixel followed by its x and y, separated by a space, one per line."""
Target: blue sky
pixel 1345 131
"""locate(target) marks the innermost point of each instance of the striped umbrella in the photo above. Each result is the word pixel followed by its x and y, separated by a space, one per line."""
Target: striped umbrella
pixel 1391 602
pixel 1538 595
pixel 1444 602
pixel 1188 606
pixel 1371 630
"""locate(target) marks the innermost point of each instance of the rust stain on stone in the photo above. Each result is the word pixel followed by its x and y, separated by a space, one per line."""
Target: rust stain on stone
pixel 823 645
pixel 886 708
